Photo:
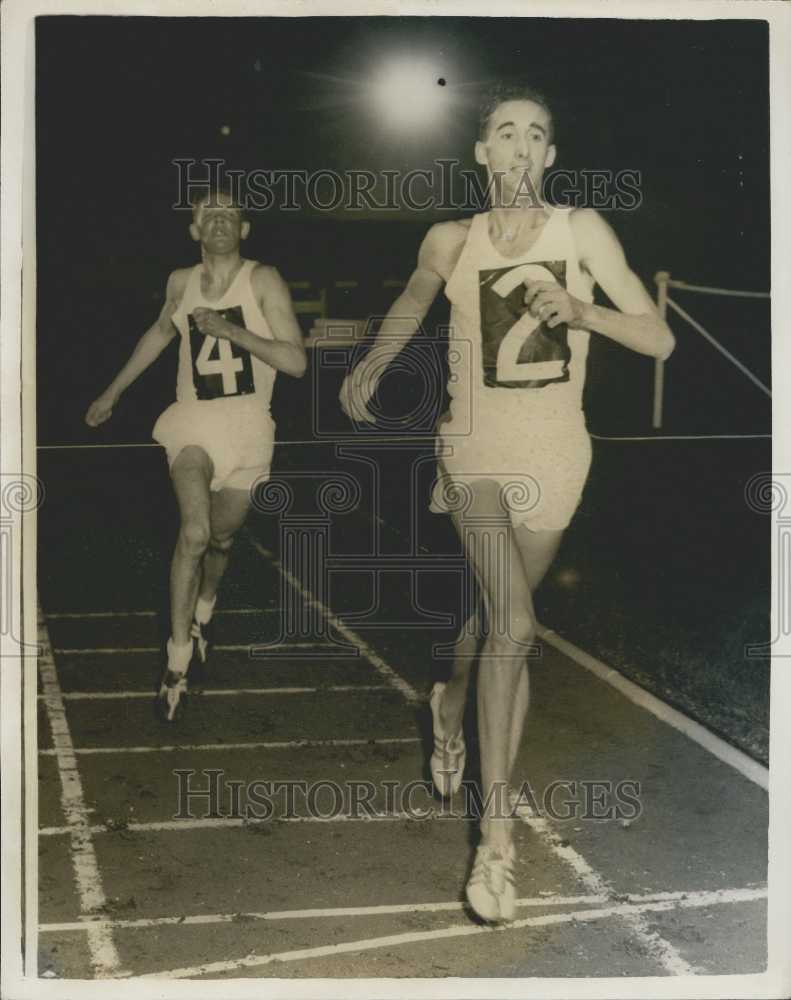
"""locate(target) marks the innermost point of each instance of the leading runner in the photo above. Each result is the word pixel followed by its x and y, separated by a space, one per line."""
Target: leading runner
pixel 514 444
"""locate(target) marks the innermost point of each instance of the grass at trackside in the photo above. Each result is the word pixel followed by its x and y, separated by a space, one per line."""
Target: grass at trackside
pixel 665 575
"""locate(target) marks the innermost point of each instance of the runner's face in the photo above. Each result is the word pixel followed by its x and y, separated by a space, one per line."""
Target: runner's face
pixel 518 144
pixel 219 227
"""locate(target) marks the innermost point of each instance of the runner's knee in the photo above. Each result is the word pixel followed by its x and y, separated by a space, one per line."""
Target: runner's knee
pixel 221 544
pixel 512 632
pixel 194 537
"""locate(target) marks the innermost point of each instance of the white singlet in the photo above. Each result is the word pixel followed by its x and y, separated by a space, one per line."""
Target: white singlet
pixel 223 392
pixel 515 384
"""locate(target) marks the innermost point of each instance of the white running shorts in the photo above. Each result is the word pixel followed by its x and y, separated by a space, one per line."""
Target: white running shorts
pixel 237 434
pixel 541 468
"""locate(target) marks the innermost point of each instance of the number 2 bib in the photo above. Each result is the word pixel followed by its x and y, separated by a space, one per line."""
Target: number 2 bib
pixel 519 350
pixel 220 368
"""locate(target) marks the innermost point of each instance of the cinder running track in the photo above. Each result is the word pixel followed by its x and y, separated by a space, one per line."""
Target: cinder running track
pixel 127 888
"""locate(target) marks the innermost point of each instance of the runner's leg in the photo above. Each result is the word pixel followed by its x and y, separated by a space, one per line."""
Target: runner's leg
pixel 229 508
pixel 537 550
pixel 191 474
pixel 454 696
pixel 493 554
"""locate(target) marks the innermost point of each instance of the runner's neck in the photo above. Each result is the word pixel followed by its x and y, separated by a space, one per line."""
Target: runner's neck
pixel 219 273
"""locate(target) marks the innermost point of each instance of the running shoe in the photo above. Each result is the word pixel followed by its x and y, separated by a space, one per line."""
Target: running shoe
pixel 450 752
pixel 172 696
pixel 203 634
pixel 490 889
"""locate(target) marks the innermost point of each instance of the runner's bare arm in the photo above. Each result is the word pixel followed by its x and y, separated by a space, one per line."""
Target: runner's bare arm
pixel 635 323
pixel 147 350
pixel 286 352
pixel 436 260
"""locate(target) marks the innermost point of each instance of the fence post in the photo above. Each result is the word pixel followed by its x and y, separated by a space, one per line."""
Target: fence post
pixel 661 278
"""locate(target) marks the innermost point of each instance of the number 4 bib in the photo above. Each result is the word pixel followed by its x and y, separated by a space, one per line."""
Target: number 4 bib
pixel 519 350
pixel 220 368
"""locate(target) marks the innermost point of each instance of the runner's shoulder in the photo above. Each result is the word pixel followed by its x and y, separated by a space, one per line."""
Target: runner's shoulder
pixel 586 221
pixel 177 283
pixel 264 277
pixel 443 244
pixel 268 285
pixel 593 235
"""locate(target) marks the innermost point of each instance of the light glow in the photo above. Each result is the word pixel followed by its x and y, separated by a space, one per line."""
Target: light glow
pixel 407 92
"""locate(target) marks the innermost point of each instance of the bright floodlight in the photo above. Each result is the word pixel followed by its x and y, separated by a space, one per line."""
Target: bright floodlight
pixel 408 92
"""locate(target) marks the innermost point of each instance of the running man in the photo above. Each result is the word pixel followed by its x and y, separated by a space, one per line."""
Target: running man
pixel 237 329
pixel 520 280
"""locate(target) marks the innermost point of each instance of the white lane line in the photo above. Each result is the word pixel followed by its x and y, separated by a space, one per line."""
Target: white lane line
pixel 104 956
pixel 270 745
pixel 377 662
pixel 621 910
pixel 316 913
pixel 319 913
pixel 235 648
pixel 224 692
pixel 233 823
pixel 67 615
pixel 723 751
pixel 661 951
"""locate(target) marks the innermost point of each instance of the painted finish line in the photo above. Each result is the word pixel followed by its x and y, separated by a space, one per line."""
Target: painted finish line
pixel 690 900
pixel 265 745
pixel 548 899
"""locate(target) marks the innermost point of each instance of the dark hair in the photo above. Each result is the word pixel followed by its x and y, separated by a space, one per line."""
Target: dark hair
pixel 213 192
pixel 511 90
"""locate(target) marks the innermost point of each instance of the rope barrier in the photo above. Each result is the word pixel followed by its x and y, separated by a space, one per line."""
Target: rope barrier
pixel 716 344
pixel 424 439
pixel 672 283
pixel 682 437
pixel 663 281
pixel 94 447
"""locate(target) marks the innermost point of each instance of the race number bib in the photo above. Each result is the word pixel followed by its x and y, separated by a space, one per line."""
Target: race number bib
pixel 519 350
pixel 220 368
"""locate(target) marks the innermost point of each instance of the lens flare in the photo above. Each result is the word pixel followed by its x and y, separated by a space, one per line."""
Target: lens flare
pixel 408 94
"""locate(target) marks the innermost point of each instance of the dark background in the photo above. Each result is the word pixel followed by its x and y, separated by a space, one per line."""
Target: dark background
pixel 118 99
pixel 664 572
